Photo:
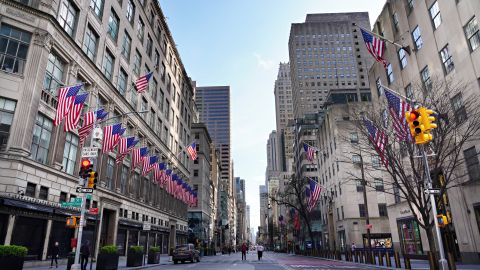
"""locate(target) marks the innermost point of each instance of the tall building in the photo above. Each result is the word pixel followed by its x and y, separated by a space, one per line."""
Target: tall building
pixel 284 116
pixel 328 60
pixel 273 155
pixel 241 229
pixel 262 230
pixel 202 215
pixel 213 104
pixel 444 40
pixel 106 45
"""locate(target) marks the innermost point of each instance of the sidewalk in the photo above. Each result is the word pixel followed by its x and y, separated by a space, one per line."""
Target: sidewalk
pixel 121 264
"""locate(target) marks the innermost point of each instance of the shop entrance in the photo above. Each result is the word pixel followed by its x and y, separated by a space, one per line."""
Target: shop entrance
pixel 108 227
pixel 30 233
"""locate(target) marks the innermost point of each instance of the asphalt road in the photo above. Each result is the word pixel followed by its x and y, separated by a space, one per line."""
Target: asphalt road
pixel 270 261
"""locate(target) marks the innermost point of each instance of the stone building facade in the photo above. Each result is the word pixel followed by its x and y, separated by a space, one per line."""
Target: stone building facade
pixel 107 45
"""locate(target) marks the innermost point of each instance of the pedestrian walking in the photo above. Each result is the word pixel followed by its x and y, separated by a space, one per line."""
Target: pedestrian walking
pixel 260 252
pixel 353 247
pixel 85 253
pixel 244 251
pixel 54 250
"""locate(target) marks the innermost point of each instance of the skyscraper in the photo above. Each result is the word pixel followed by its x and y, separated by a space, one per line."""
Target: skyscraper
pixel 328 61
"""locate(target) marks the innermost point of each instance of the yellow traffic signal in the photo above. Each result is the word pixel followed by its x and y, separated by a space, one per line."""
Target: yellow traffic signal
pixel 92 179
pixel 442 220
pixel 71 222
pixel 420 123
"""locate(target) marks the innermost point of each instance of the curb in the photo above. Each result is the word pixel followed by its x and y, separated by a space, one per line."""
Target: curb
pixel 354 263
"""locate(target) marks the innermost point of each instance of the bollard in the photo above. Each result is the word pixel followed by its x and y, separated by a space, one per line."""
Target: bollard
pixel 361 256
pixel 380 258
pixel 406 261
pixel 387 258
pixel 355 253
pixel 451 261
pixel 432 261
pixel 397 260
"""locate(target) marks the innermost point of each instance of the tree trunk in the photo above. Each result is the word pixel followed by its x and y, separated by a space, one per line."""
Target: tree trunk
pixel 431 243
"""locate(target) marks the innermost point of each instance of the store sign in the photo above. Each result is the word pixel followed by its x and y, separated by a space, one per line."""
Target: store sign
pixel 88 152
pixel 147 226
pixel 93 211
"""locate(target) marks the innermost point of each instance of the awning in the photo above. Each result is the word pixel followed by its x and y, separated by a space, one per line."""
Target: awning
pixel 27 205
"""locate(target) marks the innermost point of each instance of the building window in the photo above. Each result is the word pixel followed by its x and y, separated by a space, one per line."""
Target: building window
pixel 97 7
pixel 459 108
pixel 396 193
pixel 144 107
pixel 63 197
pixel 54 74
pixel 472 33
pixel 123 180
pixel 161 97
pixel 130 11
pixel 409 91
pixel 109 175
pixel 126 46
pixel 149 45
pixel 43 194
pixel 417 38
pixel 410 4
pixel 113 22
pixel 195 172
pixel 471 161
pixel 379 184
pixel 361 209
pixel 382 210
pixel 356 159
pixel 7 109
pixel 122 81
pixel 30 191
pixel 375 161
pixel 157 59
pixel 42 132
pixel 90 43
pixel 426 81
pixel 446 60
pixel 137 61
pixel 359 185
pixel 403 58
pixel 108 64
pixel 70 153
pixel 354 137
pixel 153 89
pixel 140 29
pixel 153 117
pixel 395 21
pixel 67 16
pixel 379 87
pixel 134 99
pixel 435 15
pixel 390 76
pixel 13 49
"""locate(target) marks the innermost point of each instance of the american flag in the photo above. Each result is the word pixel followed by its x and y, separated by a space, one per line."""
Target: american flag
pixel 192 151
pixel 66 96
pixel 117 137
pixel 123 146
pixel 378 138
pixel 163 175
pixel 168 180
pixel 315 190
pixel 142 82
pixel 157 173
pixel 310 151
pixel 73 115
pixel 110 134
pixel 137 156
pixel 397 108
pixel 89 119
pixel 375 45
pixel 148 164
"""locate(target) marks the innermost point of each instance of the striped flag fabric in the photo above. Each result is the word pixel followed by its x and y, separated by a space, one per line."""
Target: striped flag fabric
pixel 116 137
pixel 66 97
pixel 141 83
pixel 109 136
pixel 137 156
pixel 73 115
pixel 310 151
pixel 89 119
pixel 397 108
pixel 157 173
pixel 315 190
pixel 124 145
pixel 192 151
pixel 148 164
pixel 378 138
pixel 376 46
pixel 168 179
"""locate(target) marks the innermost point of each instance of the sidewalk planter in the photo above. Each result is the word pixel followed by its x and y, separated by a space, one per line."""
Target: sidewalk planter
pixel 154 255
pixel 135 256
pixel 107 258
pixel 12 257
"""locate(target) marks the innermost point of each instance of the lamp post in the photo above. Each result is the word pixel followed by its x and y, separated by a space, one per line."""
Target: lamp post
pixel 365 203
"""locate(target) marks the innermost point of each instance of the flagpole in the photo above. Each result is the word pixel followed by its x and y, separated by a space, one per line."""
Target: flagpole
pixel 405 48
pixel 411 100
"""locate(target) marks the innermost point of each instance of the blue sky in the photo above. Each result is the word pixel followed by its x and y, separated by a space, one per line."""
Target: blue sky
pixel 240 43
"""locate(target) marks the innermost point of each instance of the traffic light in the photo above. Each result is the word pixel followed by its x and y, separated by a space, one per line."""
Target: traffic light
pixel 420 124
pixel 85 168
pixel 92 179
pixel 442 220
pixel 71 222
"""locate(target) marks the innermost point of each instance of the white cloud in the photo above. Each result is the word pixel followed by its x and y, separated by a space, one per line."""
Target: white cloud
pixel 263 63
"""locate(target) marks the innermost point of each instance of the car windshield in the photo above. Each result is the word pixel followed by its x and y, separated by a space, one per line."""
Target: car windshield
pixel 182 247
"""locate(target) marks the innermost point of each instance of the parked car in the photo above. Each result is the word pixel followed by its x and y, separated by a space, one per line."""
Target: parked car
pixel 184 253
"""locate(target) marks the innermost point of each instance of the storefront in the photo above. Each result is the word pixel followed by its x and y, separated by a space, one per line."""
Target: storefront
pixel 378 240
pixel 409 236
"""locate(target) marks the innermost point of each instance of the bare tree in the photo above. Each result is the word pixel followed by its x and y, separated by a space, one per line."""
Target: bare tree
pixel 458 121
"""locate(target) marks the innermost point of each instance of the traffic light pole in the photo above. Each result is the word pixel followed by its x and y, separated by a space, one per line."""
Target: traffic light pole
pixel 443 261
pixel 76 266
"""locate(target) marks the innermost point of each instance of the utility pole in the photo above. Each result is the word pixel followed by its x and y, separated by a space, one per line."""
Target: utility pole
pixel 443 261
pixel 365 203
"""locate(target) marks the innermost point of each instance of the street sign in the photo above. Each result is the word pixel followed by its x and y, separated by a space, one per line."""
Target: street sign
pixel 89 152
pixel 432 191
pixel 70 204
pixel 89 196
pixel 147 226
pixel 84 190
pixel 76 200
pixel 93 211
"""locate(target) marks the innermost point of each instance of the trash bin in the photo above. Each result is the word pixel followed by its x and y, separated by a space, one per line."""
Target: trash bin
pixel 70 260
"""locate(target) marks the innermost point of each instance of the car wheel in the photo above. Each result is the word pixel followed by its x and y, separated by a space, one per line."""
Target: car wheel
pixel 175 262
